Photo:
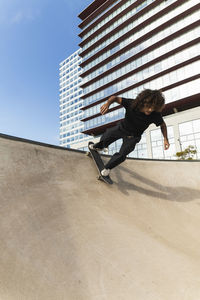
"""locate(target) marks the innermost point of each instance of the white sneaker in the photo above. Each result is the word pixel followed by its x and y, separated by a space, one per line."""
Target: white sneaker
pixel 105 172
pixel 92 147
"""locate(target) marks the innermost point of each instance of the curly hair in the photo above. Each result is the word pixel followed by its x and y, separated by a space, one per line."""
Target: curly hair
pixel 150 98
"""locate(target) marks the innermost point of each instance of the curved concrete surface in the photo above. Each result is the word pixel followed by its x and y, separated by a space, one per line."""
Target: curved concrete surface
pixel 65 235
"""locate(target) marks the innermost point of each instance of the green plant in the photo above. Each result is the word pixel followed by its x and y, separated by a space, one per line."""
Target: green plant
pixel 187 154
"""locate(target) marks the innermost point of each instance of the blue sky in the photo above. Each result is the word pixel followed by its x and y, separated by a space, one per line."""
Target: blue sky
pixel 36 35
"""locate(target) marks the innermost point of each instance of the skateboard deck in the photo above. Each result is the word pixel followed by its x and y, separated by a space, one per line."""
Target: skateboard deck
pixel 99 164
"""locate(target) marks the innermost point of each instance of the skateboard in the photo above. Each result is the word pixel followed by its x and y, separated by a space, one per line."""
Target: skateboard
pixel 99 164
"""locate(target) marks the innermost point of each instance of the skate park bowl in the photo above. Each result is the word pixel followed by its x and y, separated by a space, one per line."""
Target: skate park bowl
pixel 64 235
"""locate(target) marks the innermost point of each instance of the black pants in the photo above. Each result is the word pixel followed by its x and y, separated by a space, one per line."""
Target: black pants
pixel 113 134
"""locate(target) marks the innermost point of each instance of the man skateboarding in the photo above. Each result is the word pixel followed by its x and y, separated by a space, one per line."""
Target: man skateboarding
pixel 142 111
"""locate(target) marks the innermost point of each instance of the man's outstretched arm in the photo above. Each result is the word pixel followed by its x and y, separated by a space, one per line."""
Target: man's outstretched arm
pixel 163 128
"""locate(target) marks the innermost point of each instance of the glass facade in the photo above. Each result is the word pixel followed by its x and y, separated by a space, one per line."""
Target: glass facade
pixel 94 28
pixel 115 24
pixel 154 23
pixel 157 144
pixel 140 149
pixel 155 68
pixel 71 126
pixel 137 51
pixel 149 55
pixel 173 94
pixel 189 133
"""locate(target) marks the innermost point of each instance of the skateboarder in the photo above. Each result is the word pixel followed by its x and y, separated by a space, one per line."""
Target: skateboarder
pixel 142 111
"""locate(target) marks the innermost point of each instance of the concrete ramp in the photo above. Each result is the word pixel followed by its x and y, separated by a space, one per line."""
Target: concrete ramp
pixel 64 235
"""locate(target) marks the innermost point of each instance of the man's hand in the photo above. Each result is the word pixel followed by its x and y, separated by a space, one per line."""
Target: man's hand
pixel 111 99
pixel 104 108
pixel 166 144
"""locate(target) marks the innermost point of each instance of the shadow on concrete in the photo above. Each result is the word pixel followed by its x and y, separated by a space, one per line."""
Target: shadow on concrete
pixel 179 193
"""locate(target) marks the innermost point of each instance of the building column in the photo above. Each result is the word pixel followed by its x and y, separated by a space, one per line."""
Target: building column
pixel 177 138
pixel 149 148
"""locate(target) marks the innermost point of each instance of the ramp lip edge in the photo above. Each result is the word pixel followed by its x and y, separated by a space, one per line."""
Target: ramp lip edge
pixel 19 139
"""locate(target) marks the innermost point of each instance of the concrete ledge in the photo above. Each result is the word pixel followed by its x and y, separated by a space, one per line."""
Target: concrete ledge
pixel 18 139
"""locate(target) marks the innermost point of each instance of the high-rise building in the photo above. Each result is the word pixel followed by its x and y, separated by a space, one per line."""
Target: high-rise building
pixel 71 127
pixel 130 45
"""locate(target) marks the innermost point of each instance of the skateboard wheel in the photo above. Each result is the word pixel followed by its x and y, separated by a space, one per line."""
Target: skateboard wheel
pixel 87 153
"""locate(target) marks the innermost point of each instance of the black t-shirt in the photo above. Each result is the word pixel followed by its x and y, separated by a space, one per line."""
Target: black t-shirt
pixel 137 122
